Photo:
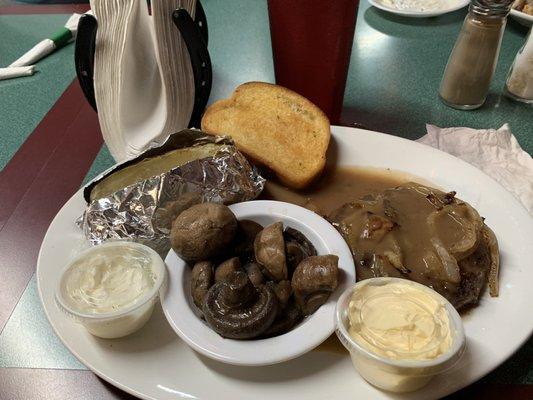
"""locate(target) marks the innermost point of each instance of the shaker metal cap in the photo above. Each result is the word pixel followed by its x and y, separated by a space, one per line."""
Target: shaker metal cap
pixel 491 8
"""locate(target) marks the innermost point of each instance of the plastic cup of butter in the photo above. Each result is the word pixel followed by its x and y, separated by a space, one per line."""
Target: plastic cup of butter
pixel 88 279
pixel 397 374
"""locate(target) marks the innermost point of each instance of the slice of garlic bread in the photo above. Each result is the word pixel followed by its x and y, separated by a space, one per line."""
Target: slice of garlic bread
pixel 275 127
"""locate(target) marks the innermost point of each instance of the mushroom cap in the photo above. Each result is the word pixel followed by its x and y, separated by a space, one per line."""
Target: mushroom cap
pixel 269 248
pixel 254 273
pixel 295 255
pixel 285 320
pixel 244 241
pixel 283 292
pixel 298 237
pixel 167 212
pixel 226 268
pixel 297 248
pixel 203 231
pixel 202 278
pixel 313 281
pixel 235 309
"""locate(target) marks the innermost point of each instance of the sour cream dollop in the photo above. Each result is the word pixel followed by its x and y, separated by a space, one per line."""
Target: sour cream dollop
pixel 400 321
pixel 107 281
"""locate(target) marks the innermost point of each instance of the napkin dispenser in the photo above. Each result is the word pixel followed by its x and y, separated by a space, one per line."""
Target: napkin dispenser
pixel 195 35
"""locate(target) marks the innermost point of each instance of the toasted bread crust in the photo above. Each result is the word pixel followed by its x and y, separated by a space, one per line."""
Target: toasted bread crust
pixel 276 127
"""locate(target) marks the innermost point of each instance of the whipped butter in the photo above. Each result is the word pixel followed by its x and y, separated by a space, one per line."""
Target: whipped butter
pixel 108 281
pixel 399 321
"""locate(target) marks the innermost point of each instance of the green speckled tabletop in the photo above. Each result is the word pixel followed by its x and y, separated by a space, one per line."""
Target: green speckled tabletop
pixel 25 101
pixel 395 70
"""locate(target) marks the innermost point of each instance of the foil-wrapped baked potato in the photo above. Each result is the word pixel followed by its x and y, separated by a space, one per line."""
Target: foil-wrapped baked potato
pixel 140 198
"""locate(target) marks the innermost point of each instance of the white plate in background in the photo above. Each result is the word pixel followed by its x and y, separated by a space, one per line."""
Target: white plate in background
pixel 154 363
pixel 448 6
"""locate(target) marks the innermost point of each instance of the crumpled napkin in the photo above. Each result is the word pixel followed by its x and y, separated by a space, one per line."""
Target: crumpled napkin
pixel 494 151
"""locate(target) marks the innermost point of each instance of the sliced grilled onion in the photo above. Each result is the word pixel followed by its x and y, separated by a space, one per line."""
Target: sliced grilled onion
pixel 394 255
pixel 451 269
pixel 494 270
pixel 471 225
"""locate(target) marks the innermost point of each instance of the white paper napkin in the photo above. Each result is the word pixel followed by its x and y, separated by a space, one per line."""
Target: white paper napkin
pixel 16 72
pixel 494 151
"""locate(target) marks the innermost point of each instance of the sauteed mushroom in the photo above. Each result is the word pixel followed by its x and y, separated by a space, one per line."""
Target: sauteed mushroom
pixel 313 281
pixel 228 267
pixel 283 292
pixel 203 231
pixel 254 273
pixel 294 254
pixel 167 212
pixel 244 241
pixel 285 320
pixel 269 248
pixel 201 280
pixel 255 300
pixel 297 247
pixel 235 309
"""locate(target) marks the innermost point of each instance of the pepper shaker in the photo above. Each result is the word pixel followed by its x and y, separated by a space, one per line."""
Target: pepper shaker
pixel 468 74
pixel 519 85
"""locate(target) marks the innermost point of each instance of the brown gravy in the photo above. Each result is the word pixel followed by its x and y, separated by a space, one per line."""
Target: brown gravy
pixel 343 185
pixel 398 225
pixel 338 186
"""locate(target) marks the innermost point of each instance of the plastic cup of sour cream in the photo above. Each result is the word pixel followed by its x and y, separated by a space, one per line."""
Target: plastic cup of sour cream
pixel 111 289
pixel 399 333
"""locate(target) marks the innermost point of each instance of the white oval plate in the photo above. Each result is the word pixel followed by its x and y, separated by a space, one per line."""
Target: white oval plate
pixel 451 5
pixel 155 364
pixel 179 309
pixel 522 17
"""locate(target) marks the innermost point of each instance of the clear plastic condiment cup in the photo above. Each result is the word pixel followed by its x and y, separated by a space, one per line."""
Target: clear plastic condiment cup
pixel 125 321
pixel 391 374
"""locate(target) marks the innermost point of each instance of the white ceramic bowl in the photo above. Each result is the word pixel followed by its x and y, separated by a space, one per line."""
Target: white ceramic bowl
pixel 451 5
pixel 313 330
pixel 522 17
pixel 398 375
pixel 122 322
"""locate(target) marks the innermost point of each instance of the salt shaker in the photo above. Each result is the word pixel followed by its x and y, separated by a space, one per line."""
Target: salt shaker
pixel 519 85
pixel 471 65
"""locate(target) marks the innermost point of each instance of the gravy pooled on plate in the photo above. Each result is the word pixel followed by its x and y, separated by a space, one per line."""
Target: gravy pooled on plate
pixel 338 186
pixel 399 228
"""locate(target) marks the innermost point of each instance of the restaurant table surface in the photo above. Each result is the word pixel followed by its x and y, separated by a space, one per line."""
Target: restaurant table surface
pixel 51 145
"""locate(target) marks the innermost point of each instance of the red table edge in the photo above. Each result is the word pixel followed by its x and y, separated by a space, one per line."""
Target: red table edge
pixel 42 175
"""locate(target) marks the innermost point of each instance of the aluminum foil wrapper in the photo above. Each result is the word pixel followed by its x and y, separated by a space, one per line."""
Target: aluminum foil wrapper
pixel 144 211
